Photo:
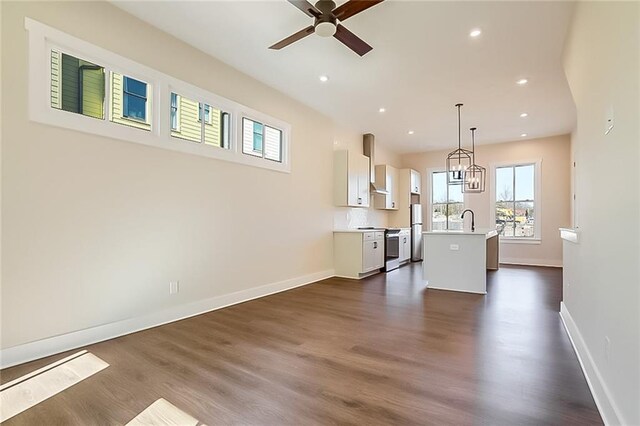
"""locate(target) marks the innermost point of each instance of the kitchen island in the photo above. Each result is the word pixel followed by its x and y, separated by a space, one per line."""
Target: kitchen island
pixel 458 260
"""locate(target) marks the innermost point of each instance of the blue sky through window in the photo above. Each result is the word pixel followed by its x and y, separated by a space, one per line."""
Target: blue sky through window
pixel 440 190
pixel 524 182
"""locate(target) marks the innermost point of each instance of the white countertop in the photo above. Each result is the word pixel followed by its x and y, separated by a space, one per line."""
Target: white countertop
pixel 359 230
pixel 485 232
pixel 367 230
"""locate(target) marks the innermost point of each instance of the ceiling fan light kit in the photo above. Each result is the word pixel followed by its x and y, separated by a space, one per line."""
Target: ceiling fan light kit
pixel 458 160
pixel 326 23
pixel 326 29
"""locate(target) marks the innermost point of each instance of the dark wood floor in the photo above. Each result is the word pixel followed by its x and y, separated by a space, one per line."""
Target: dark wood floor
pixel 383 350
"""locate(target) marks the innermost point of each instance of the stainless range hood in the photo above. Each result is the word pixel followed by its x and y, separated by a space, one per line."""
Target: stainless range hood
pixel 368 149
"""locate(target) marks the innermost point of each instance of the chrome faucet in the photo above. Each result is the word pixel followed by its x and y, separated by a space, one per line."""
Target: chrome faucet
pixel 473 220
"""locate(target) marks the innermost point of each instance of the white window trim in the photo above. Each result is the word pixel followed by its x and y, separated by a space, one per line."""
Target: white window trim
pixel 537 228
pixel 42 39
pixel 430 172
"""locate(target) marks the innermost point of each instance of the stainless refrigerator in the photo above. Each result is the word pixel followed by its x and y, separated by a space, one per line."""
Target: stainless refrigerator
pixel 416 232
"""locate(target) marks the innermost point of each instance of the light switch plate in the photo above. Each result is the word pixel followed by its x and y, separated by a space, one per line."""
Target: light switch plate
pixel 454 247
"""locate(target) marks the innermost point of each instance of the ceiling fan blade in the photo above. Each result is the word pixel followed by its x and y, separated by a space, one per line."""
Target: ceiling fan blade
pixel 306 7
pixel 352 41
pixel 352 7
pixel 293 38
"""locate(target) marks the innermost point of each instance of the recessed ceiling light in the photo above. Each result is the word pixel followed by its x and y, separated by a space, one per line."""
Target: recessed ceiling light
pixel 523 135
pixel 382 110
pixel 324 78
pixel 475 32
pixel 522 81
pixel 411 132
pixel 524 114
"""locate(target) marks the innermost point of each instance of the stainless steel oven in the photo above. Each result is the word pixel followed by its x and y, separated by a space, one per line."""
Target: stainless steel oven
pixel 392 249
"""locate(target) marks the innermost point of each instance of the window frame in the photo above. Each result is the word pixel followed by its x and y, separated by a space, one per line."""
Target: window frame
pixel 126 93
pixel 177 112
pixel 537 201
pixel 150 96
pixel 429 192
pixel 43 39
pixel 207 110
pixel 261 133
pixel 195 94
pixel 259 118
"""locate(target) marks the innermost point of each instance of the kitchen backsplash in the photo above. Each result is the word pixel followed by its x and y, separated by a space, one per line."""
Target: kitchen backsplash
pixel 348 218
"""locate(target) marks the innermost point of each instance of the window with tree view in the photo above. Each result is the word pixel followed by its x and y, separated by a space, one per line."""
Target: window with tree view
pixel 447 203
pixel 515 200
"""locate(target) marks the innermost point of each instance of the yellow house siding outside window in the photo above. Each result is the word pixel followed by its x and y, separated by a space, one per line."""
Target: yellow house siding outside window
pixel 186 121
pixel 77 85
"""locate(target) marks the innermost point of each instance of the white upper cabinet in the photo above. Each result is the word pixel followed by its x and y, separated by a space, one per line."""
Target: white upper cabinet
pixel 387 179
pixel 416 185
pixel 351 179
pixel 361 165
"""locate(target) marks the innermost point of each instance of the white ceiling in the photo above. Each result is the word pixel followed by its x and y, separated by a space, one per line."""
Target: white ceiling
pixel 422 63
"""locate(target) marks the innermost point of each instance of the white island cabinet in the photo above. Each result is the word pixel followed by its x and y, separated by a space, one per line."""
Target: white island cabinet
pixel 358 253
pixel 458 260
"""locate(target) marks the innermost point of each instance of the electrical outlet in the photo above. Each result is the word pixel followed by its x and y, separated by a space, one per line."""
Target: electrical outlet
pixel 454 247
pixel 610 121
pixel 607 348
pixel 174 287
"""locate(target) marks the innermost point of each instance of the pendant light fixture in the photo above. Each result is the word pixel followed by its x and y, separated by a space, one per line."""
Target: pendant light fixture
pixel 458 161
pixel 474 176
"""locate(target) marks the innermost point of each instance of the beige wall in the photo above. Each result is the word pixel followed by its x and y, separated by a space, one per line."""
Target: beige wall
pixel 555 192
pixel 95 228
pixel 602 287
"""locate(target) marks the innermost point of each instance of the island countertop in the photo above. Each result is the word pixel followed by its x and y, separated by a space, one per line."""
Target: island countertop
pixel 485 232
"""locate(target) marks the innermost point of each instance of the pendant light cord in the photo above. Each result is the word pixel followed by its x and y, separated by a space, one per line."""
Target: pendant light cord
pixel 473 144
pixel 459 134
pixel 473 149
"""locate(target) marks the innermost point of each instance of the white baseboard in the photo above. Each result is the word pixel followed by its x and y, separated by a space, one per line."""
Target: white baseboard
pixel 606 406
pixel 64 342
pixel 531 262
pixel 455 289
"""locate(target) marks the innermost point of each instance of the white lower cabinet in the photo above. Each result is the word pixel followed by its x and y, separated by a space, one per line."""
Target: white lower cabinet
pixel 358 254
pixel 405 246
pixel 372 255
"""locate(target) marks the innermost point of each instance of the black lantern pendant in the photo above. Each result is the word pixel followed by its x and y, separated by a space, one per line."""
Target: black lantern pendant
pixel 475 176
pixel 458 161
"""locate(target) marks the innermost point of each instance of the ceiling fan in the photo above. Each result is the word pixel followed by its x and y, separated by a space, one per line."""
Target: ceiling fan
pixel 326 23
